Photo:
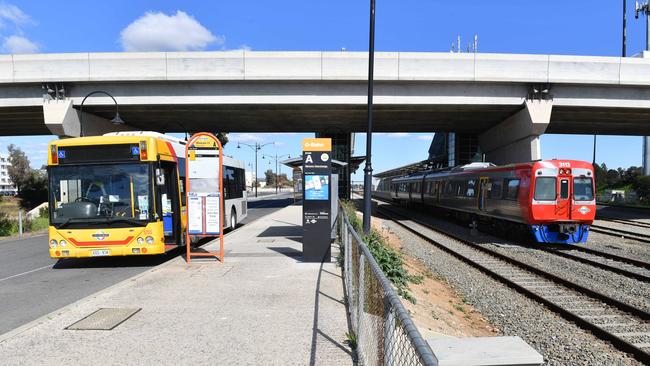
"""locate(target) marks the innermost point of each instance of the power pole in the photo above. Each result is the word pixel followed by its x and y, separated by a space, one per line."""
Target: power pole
pixel 367 178
pixel 644 8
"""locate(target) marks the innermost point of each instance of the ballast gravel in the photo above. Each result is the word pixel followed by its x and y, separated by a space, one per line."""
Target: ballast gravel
pixel 559 341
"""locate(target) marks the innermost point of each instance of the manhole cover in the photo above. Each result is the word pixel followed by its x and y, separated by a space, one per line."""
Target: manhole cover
pixel 104 319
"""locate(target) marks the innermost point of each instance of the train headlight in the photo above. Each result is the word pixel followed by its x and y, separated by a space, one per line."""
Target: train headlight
pixel 53 243
pixel 62 243
pixel 149 240
pixel 140 241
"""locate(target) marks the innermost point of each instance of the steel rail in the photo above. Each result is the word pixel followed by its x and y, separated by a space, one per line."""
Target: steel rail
pixel 604 334
pixel 619 232
pixel 622 271
pixel 625 222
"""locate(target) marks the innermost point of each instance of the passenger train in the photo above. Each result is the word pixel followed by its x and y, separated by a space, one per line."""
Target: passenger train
pixel 553 199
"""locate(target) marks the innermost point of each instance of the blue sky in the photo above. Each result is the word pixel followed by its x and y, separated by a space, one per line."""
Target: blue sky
pixel 515 26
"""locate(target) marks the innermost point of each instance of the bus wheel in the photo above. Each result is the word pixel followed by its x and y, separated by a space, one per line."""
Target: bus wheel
pixel 233 219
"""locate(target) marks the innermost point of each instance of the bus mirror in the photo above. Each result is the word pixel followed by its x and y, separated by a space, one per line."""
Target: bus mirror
pixel 160 177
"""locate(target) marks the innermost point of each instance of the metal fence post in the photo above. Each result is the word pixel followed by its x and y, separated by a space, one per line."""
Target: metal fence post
pixel 20 223
pixel 361 299
pixel 389 332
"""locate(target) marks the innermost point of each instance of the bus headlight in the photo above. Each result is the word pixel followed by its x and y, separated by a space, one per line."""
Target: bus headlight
pixel 62 243
pixel 140 241
pixel 149 240
pixel 52 243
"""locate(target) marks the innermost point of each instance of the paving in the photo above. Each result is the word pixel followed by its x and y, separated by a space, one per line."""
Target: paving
pixel 263 305
pixel 27 272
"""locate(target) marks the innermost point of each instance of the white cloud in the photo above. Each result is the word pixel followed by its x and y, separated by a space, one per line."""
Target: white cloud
pixel 246 137
pixel 19 44
pixel 13 14
pixel 424 137
pixel 157 31
pixel 398 135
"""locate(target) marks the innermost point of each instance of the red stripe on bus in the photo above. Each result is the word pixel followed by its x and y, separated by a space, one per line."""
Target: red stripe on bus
pixel 99 243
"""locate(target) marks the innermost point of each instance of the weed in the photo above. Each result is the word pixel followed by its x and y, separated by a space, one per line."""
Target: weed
pixel 460 308
pixel 426 292
pixel 390 261
pixel 351 340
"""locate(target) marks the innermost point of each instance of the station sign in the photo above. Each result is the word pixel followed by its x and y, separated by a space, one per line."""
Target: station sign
pixel 316 208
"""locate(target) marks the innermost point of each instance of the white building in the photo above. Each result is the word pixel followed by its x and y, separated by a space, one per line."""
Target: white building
pixel 6 185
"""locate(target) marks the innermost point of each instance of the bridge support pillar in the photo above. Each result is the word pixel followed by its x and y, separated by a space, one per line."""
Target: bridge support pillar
pixel 64 120
pixel 516 139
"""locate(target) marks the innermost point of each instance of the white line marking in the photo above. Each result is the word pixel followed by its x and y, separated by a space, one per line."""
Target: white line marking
pixel 24 273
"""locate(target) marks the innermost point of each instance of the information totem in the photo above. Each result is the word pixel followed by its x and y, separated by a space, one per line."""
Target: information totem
pixel 316 204
pixel 204 191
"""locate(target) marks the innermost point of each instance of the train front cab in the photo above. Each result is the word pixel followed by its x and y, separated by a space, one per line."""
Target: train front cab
pixel 562 200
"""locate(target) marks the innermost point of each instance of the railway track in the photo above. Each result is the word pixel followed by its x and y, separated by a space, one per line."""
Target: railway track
pixel 620 233
pixel 627 327
pixel 642 224
pixel 628 267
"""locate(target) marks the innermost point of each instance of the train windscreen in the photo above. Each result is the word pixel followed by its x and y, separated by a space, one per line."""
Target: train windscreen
pixel 583 189
pixel 545 189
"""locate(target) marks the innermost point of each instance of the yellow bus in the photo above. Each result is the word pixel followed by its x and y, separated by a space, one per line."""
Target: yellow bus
pixel 123 194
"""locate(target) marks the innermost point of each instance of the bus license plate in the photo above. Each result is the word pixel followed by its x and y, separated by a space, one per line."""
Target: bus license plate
pixel 100 253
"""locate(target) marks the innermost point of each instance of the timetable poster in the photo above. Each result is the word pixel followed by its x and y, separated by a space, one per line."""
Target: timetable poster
pixel 212 214
pixel 195 214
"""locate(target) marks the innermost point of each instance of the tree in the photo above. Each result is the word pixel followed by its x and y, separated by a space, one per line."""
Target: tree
pixel 612 177
pixel 34 191
pixel 270 177
pixel 600 174
pixel 222 137
pixel 19 170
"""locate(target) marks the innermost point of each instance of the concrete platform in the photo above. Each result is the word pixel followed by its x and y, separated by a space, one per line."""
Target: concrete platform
pixel 263 306
pixel 484 351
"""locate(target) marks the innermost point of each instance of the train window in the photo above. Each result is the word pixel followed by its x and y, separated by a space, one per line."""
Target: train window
pixel 545 189
pixel 513 189
pixel 564 188
pixel 583 189
pixel 495 192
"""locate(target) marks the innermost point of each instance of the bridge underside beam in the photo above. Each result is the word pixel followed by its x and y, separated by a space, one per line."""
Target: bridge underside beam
pixel 516 139
pixel 62 119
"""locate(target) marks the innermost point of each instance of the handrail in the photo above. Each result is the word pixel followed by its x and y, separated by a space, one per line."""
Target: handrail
pixel 420 345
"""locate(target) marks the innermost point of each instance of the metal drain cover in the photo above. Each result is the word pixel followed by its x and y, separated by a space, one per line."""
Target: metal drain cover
pixel 104 319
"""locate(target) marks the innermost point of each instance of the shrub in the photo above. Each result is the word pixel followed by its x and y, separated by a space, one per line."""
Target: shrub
pixel 390 261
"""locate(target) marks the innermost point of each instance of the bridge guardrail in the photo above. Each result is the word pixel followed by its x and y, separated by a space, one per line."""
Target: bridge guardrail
pixel 384 331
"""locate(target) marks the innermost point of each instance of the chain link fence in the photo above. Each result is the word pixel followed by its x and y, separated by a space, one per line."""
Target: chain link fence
pixel 384 331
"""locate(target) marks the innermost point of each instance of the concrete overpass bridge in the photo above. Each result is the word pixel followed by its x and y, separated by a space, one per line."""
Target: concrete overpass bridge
pixel 507 100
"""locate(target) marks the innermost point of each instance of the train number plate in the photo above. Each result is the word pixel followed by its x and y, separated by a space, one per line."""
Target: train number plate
pixel 100 252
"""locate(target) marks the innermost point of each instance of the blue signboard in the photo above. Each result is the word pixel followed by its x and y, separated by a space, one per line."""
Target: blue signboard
pixel 61 154
pixel 316 187
pixel 135 150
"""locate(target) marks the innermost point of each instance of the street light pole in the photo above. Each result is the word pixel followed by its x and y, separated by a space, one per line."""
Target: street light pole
pixel 116 120
pixel 277 175
pixel 256 147
pixel 367 178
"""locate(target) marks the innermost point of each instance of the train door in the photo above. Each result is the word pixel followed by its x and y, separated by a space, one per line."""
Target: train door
pixel 483 188
pixel 563 208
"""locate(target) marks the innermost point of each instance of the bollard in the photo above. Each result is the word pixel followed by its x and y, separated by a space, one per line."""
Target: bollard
pixel 20 223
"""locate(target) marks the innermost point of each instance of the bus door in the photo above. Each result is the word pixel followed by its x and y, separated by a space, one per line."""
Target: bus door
pixel 563 208
pixel 483 188
pixel 167 183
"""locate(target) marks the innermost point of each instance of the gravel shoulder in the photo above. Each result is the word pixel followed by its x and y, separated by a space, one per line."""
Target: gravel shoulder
pixel 559 341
